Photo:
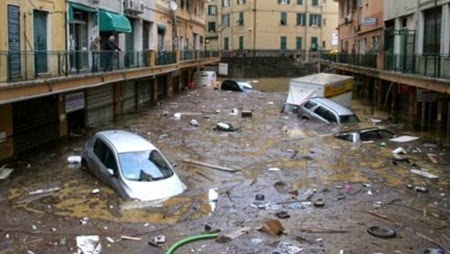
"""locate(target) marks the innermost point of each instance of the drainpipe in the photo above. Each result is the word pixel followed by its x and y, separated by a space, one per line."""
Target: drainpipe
pixel 254 27
pixel 436 50
pixel 306 31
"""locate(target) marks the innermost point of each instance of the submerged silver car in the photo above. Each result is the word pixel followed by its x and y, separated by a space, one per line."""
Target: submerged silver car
pixel 131 165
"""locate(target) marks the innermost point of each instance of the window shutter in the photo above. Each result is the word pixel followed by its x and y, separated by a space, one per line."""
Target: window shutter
pixel 299 2
pixel 310 19
pixel 320 20
pixel 279 1
pixel 288 1
pixel 304 19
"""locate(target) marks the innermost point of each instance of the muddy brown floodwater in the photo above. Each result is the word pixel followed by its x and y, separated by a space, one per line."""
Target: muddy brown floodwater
pixel 329 192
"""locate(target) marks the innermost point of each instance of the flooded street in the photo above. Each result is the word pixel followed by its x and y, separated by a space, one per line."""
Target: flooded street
pixel 325 193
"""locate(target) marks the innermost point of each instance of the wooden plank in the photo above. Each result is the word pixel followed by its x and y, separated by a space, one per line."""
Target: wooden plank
pixel 210 165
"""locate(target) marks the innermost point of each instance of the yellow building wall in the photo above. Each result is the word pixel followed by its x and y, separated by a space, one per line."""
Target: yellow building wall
pixel 268 28
pixel 56 33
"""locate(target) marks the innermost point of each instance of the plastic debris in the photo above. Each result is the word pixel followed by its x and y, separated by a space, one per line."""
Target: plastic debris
pixel 110 239
pixel 274 169
pixel 5 172
pixel 212 197
pixel 404 138
pixel 224 127
pixel 288 248
pixel 421 189
pixel 256 241
pixel 234 112
pixel 41 191
pixel 177 116
pixel 194 123
pixel 159 239
pixel 399 150
pixel 369 192
pixel 74 159
pixel 96 191
pixel 89 244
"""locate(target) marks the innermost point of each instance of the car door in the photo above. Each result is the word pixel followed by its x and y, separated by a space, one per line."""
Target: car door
pixel 323 114
pixel 104 160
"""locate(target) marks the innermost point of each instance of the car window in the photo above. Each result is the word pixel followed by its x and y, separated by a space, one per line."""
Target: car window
pixel 349 119
pixel 310 104
pixel 144 166
pixel 326 114
pixel 385 134
pixel 105 154
pixel 369 135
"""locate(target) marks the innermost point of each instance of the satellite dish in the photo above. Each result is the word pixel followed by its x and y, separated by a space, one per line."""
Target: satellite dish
pixel 173 5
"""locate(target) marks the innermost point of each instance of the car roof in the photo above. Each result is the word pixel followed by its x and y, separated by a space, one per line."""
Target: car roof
pixel 124 141
pixel 340 110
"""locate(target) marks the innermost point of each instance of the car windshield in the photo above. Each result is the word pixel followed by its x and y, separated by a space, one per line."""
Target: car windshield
pixel 349 119
pixel 144 166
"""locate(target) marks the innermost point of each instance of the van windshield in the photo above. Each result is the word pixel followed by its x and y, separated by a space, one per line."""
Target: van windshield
pixel 349 119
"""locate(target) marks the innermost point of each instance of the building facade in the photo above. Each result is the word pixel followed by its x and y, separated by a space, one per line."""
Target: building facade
pixel 406 71
pixel 53 83
pixel 280 25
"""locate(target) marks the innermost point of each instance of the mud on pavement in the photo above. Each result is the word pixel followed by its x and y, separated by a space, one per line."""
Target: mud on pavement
pixel 296 189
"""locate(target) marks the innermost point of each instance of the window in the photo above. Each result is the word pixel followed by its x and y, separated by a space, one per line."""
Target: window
pixel 432 33
pixel 240 20
pixel 212 27
pixel 299 2
pixel 226 20
pixel 315 19
pixel 241 43
pixel 226 43
pixel 301 19
pixel 283 18
pixel 144 166
pixel 212 10
pixel 298 43
pixel 326 114
pixel 310 104
pixel 324 22
pixel 240 1
pixel 283 41
pixel 225 3
pixel 324 44
pixel 105 155
pixel 314 43
pixel 284 1
pixel 315 2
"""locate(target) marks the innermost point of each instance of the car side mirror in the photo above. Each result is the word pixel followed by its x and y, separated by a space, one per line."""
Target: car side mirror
pixel 111 172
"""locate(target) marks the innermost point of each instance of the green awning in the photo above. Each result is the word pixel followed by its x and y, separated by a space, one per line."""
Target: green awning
pixel 79 7
pixel 113 22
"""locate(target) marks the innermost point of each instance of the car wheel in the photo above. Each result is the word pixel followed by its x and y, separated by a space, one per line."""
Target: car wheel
pixel 84 165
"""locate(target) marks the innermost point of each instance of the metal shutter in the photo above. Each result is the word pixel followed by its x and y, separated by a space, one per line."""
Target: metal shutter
pixel 100 105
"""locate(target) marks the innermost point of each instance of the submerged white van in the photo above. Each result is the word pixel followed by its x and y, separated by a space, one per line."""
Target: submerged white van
pixel 205 78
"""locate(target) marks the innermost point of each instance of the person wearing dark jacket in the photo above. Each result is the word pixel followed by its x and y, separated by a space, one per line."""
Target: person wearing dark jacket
pixel 109 47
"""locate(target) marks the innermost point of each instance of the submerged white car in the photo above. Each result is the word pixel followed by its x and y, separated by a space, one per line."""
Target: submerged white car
pixel 131 165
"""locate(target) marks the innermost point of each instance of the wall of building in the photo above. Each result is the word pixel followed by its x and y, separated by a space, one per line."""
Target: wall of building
pixel 262 29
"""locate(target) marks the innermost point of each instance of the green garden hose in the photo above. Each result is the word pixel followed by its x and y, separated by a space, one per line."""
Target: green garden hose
pixel 191 239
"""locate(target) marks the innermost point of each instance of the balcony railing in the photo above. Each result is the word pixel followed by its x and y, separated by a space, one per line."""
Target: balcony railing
pixel 431 65
pixel 30 65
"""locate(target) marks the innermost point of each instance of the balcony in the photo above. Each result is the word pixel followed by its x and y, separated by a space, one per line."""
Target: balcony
pixel 22 66
pixel 426 65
